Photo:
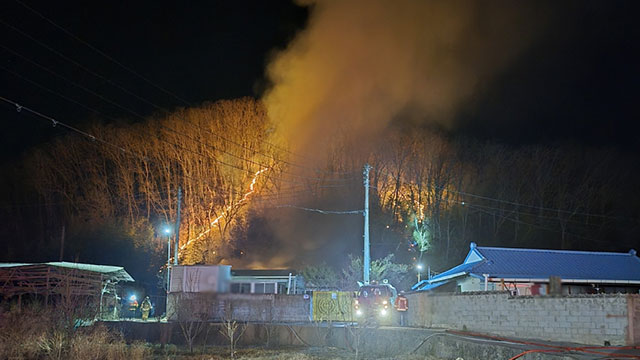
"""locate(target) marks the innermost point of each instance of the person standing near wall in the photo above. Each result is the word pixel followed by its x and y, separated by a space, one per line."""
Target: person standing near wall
pixel 402 306
pixel 145 307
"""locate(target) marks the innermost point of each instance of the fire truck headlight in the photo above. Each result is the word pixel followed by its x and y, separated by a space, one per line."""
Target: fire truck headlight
pixel 383 312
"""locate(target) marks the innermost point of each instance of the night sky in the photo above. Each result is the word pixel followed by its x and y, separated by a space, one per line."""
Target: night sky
pixel 578 81
pixel 199 52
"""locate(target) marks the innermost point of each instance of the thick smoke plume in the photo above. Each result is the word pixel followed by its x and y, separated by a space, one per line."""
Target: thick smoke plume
pixel 359 66
pixel 362 63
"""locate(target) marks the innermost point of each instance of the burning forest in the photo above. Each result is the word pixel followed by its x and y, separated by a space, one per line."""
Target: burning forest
pixel 254 165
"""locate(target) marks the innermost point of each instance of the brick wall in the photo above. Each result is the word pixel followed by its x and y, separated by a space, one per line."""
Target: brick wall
pixel 586 319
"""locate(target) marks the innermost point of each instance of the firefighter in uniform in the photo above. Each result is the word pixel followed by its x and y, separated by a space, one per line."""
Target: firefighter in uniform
pixel 132 306
pixel 402 305
pixel 145 308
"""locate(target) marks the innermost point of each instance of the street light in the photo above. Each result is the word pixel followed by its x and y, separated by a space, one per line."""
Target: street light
pixel 419 267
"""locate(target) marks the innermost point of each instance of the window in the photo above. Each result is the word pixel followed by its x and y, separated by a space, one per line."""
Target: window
pixel 239 288
pixel 269 288
pixel 264 288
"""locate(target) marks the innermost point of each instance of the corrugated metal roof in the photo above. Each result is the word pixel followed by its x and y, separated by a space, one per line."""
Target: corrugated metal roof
pixel 13 264
pixel 117 273
pixel 569 265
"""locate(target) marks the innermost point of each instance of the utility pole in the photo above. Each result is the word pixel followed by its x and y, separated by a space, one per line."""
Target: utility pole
pixel 177 229
pixel 168 258
pixel 367 256
pixel 62 244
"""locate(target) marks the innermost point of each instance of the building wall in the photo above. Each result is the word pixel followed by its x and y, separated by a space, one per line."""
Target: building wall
pixel 474 284
pixel 586 319
pixel 200 278
pixel 239 307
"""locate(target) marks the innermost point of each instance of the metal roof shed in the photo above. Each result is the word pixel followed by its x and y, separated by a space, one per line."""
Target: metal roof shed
pixel 62 279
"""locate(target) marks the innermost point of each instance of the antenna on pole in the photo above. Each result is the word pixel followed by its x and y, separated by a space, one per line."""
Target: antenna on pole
pixel 367 256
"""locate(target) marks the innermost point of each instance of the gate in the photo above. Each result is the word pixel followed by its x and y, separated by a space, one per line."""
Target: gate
pixel 633 314
pixel 332 306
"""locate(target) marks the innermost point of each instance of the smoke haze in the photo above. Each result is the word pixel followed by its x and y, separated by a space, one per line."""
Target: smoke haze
pixel 360 63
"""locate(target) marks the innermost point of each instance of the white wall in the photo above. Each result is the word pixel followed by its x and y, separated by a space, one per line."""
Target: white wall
pixel 200 278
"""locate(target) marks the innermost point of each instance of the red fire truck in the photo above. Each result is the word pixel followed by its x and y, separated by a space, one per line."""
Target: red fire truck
pixel 374 303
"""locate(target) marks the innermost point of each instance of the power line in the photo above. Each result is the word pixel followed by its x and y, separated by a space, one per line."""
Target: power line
pixel 518 212
pixel 56 203
pixel 152 134
pixel 122 149
pixel 266 155
pixel 136 74
pixel 55 122
pixel 102 53
pixel 73 82
pixel 482 209
pixel 535 225
pixel 241 158
pixel 507 201
pixel 55 93
pixel 142 117
pixel 360 212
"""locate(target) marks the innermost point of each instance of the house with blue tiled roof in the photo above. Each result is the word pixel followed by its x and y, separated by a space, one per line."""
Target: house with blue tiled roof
pixel 527 272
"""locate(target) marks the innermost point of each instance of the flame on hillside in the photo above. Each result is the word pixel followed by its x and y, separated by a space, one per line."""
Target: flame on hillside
pixel 215 221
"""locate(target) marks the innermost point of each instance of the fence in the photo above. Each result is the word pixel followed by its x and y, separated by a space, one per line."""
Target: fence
pixel 240 307
pixel 332 306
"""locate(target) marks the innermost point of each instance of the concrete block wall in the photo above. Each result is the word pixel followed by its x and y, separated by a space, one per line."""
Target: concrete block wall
pixel 240 307
pixel 585 319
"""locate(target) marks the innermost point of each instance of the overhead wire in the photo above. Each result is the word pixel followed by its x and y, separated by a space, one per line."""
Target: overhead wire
pixel 483 209
pixel 129 110
pixel 508 201
pixel 95 138
pixel 56 122
pixel 217 135
pixel 533 225
pixel 135 73
pixel 326 212
pixel 139 115
pixel 101 52
pixel 115 103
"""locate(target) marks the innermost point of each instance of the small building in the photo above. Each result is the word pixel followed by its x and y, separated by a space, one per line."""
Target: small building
pixel 539 272
pixel 53 282
pixel 222 279
pixel 215 292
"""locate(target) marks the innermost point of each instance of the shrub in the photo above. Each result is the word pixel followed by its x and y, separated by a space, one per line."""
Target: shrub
pixel 38 333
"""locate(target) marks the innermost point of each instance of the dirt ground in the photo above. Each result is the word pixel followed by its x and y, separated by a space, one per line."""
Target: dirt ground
pixel 293 353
